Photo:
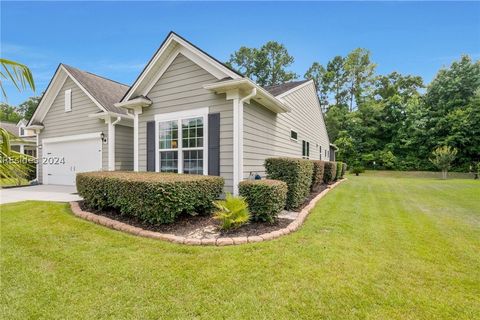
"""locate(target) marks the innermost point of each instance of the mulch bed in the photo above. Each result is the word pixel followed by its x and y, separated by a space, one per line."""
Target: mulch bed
pixel 187 224
pixel 310 197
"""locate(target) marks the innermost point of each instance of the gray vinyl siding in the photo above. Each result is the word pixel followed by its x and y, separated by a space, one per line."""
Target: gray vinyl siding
pixel 123 148
pixel 181 88
pixel 58 123
pixel 267 134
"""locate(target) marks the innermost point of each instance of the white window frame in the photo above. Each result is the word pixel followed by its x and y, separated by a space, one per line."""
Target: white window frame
pixel 291 130
pixel 68 100
pixel 179 116
pixel 307 143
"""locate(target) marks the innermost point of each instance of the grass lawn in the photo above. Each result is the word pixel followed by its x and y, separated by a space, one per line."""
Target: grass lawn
pixel 5 182
pixel 375 247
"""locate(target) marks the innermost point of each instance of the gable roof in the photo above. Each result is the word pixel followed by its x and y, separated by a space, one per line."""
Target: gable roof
pixel 278 89
pixel 107 92
pixel 170 47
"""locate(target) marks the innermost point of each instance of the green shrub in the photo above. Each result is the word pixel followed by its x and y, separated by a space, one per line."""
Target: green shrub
pixel 151 197
pixel 296 173
pixel 338 172
pixel 232 212
pixel 344 169
pixel 357 170
pixel 329 172
pixel 265 198
pixel 317 175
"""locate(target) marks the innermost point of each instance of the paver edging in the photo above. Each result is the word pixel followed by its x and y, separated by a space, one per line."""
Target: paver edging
pixel 224 241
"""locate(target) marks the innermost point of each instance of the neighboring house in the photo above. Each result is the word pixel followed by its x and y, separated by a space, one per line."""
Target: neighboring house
pixel 23 140
pixel 186 112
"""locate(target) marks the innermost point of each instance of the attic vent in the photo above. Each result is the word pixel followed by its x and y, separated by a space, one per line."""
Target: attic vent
pixel 68 100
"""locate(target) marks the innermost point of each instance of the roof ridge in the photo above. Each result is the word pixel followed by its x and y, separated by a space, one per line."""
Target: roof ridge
pixel 96 75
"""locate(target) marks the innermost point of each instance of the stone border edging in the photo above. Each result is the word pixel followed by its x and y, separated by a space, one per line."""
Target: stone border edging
pixel 224 241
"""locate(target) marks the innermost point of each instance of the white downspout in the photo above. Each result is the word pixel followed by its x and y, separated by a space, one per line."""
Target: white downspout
pixel 111 143
pixel 238 136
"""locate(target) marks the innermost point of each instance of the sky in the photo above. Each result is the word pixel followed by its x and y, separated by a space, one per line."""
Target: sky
pixel 116 39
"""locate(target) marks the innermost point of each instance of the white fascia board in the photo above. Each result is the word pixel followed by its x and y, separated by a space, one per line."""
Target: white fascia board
pixel 83 89
pixel 286 93
pixel 48 97
pixel 76 137
pixel 263 97
pixel 135 103
pixel 175 44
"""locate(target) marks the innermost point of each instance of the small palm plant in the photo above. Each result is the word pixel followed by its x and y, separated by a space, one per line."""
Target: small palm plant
pixel 231 212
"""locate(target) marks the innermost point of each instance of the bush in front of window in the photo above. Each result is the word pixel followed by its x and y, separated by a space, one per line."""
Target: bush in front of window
pixel 296 173
pixel 344 169
pixel 152 197
pixel 317 175
pixel 338 173
pixel 265 198
pixel 330 171
pixel 232 212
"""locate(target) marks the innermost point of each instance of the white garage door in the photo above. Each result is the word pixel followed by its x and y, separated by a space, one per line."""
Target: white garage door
pixel 64 157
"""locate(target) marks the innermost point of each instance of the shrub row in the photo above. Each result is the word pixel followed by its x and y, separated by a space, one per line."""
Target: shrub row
pixel 330 172
pixel 265 198
pixel 152 197
pixel 296 173
pixel 317 175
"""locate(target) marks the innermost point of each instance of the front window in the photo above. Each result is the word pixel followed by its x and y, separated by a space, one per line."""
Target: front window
pixel 181 151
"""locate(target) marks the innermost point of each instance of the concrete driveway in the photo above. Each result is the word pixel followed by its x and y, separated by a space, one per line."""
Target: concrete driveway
pixel 39 192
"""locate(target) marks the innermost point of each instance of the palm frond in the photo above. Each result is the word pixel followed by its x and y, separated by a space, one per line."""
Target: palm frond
pixel 19 74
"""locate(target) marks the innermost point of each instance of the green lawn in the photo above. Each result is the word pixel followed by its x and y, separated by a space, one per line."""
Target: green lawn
pixel 375 247
pixel 5 182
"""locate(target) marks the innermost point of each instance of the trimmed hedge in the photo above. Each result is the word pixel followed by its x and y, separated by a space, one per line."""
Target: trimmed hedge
pixel 152 197
pixel 338 174
pixel 344 169
pixel 296 173
pixel 265 198
pixel 317 175
pixel 329 172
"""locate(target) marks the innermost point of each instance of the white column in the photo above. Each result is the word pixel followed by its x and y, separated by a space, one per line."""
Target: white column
pixel 136 112
pixel 236 145
pixel 111 144
pixel 37 133
pixel 22 148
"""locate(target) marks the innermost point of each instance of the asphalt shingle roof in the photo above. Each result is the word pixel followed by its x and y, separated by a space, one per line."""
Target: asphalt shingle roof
pixel 278 89
pixel 107 92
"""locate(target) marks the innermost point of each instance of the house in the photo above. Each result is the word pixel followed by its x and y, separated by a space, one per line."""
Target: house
pixel 23 140
pixel 186 112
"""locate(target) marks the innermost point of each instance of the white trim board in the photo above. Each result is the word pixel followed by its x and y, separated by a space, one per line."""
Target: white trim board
pixel 76 137
pixel 175 43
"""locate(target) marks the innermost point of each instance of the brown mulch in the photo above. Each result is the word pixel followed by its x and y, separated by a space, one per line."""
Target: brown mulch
pixel 310 197
pixel 186 224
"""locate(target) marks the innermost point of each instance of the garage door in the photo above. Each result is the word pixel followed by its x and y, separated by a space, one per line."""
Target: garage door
pixel 64 157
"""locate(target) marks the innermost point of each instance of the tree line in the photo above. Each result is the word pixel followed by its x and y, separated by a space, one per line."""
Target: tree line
pixel 391 121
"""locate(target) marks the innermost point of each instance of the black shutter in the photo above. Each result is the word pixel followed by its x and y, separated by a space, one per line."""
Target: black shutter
pixel 151 146
pixel 214 144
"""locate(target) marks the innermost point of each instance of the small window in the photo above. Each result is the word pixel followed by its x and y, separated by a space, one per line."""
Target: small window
pixel 320 153
pixel 305 149
pixel 293 135
pixel 68 100
pixel 22 132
